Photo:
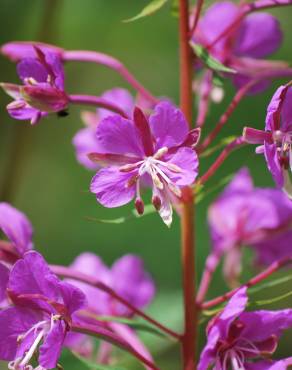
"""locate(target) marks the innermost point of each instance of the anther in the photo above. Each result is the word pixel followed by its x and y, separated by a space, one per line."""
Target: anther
pixel 139 205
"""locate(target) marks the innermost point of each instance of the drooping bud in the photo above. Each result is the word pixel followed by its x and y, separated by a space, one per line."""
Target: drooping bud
pixel 156 201
pixel 254 136
pixel 139 205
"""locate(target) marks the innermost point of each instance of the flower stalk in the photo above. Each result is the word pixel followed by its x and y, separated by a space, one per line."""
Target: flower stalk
pixel 108 61
pixel 96 102
pixel 250 283
pixel 66 272
pixel 188 212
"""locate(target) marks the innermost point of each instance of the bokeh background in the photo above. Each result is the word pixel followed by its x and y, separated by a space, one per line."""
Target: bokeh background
pixel 40 175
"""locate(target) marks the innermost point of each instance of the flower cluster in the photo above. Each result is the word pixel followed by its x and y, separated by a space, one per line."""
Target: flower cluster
pixel 140 141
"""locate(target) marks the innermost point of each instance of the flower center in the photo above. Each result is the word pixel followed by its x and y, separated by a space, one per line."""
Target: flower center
pixel 283 140
pixel 39 330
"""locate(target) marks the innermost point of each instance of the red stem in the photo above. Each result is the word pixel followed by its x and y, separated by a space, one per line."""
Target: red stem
pixel 252 282
pixel 66 272
pixel 224 154
pixel 187 217
pixel 97 102
pixel 109 61
pixel 226 115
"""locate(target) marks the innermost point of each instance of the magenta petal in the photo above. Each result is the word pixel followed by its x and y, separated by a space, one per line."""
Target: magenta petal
pixel 271 122
pixel 55 67
pixel 259 35
pixel 271 322
pixel 20 110
pixel 132 338
pixel 4 277
pixel 73 298
pixel 168 125
pixel 111 187
pixel 231 311
pixel 121 97
pixel 268 365
pixel 92 265
pixel 85 142
pixel 31 275
pixel 273 164
pixel 18 50
pixel 32 68
pixel 14 322
pixel 16 226
pixel 286 111
pixel 50 350
pixel 132 282
pixel 187 161
pixel 241 183
pixel 118 135
pixel 217 19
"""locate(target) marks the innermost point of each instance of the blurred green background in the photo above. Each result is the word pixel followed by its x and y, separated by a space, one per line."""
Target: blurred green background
pixel 38 166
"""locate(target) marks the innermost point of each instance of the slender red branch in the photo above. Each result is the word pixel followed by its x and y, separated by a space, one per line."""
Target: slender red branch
pixel 96 101
pixel 109 61
pixel 226 115
pixel 189 342
pixel 198 11
pixel 250 283
pixel 237 143
pixel 211 264
pixel 109 336
pixel 66 272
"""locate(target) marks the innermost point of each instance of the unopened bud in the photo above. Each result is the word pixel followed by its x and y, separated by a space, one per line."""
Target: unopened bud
pixel 139 205
pixel 156 201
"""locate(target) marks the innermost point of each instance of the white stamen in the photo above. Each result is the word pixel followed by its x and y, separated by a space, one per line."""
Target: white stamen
pixel 32 349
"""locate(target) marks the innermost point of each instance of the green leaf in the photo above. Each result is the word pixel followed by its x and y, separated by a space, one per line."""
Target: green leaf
pixel 208 60
pixel 202 194
pixel 148 209
pixel 92 365
pixel 265 302
pixel 149 9
pixel 225 141
pixel 271 284
pixel 175 8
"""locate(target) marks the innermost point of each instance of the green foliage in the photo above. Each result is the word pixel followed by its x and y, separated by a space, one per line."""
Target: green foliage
pixel 94 366
pixel 149 9
pixel 208 60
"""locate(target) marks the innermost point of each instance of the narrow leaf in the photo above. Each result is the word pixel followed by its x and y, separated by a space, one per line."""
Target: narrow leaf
pixel 148 209
pixel 208 60
pixel 271 284
pixel 225 141
pixel 149 9
pixel 265 302
pixel 92 365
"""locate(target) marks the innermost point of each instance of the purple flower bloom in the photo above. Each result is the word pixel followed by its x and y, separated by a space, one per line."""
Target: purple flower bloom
pixel 4 277
pixel 42 91
pixel 276 139
pixel 247 216
pixel 235 337
pixel 253 38
pixel 41 316
pixel 128 278
pixel 17 228
pixel 18 50
pixel 158 151
pixel 85 141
